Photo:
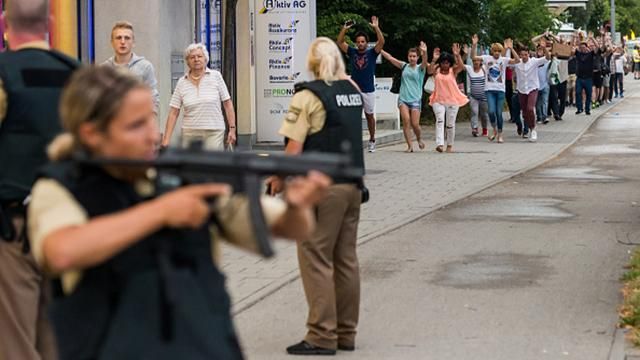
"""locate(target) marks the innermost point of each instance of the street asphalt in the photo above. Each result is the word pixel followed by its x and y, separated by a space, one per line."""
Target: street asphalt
pixel 480 254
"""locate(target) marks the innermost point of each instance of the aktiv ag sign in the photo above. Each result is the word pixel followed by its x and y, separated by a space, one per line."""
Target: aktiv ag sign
pixel 270 5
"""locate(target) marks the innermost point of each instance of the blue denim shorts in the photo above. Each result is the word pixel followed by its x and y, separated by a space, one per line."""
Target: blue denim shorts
pixel 412 105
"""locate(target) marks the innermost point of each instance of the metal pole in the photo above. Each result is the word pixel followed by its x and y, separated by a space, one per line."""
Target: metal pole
pixel 613 18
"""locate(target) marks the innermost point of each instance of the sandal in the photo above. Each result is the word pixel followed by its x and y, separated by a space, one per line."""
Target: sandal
pixel 421 145
pixel 439 148
pixel 449 148
pixel 500 139
pixel 409 150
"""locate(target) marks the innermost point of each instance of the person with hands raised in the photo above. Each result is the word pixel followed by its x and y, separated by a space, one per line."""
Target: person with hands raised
pixel 495 88
pixel 363 69
pixel 133 275
pixel 447 98
pixel 410 97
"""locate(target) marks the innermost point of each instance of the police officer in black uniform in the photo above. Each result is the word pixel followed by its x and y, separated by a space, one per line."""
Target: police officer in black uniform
pixel 31 79
pixel 325 116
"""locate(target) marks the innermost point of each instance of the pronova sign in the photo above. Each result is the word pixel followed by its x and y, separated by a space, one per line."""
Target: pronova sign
pixel 284 29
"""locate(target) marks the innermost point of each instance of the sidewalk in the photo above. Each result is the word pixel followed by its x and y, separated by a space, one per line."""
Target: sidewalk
pixel 405 187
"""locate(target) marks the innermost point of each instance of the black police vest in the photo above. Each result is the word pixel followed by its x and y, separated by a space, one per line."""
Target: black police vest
pixel 343 125
pixel 33 80
pixel 161 298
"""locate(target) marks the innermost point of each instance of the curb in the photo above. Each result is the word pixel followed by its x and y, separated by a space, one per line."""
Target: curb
pixel 261 294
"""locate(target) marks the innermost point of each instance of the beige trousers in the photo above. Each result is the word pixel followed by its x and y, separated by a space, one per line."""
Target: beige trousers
pixel 330 271
pixel 211 139
pixel 25 332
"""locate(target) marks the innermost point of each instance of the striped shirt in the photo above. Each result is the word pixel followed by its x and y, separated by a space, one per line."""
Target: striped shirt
pixel 202 104
pixel 476 83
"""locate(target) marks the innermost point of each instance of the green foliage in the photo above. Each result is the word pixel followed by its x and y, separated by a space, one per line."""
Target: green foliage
pixel 598 13
pixel 518 19
pixel 627 16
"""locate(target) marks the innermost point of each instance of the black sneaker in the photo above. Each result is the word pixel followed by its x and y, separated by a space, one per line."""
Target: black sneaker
pixel 588 113
pixel 578 112
pixel 346 347
pixel 545 121
pixel 304 348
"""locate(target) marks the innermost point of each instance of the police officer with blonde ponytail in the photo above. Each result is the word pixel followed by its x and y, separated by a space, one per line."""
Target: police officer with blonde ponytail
pixel 324 116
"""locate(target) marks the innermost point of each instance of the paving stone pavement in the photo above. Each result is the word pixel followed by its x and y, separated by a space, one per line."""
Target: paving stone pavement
pixel 405 187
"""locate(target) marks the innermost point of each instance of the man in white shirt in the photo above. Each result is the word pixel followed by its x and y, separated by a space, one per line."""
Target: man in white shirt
pixel 528 84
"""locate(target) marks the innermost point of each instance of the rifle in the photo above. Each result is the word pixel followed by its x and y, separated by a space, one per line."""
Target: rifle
pixel 244 171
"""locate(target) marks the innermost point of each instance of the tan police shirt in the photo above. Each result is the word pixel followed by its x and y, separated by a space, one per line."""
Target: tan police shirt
pixel 53 208
pixel 306 116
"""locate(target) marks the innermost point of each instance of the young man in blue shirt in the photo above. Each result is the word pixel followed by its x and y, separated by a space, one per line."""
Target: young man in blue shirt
pixel 363 69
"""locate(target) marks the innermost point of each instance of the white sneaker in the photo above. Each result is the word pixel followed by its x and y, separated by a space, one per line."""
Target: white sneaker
pixel 372 146
pixel 534 136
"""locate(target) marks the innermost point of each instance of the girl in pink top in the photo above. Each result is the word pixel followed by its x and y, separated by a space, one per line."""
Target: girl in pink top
pixel 447 98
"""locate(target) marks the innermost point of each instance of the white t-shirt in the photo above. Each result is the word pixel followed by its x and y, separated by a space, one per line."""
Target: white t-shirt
pixel 620 64
pixel 527 73
pixel 496 72
pixel 202 105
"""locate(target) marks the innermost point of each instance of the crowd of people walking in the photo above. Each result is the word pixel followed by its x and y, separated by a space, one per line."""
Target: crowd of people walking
pixel 537 79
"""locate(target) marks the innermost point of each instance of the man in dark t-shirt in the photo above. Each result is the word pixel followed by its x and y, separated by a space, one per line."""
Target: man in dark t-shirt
pixel 363 69
pixel 584 61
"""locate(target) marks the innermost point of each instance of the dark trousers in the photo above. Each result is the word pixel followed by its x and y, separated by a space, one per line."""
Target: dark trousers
pixel 586 85
pixel 558 99
pixel 508 95
pixel 528 105
pixel 618 89
pixel 515 114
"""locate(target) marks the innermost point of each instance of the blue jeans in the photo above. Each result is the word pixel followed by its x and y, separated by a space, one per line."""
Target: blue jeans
pixel 587 85
pixel 542 104
pixel 495 99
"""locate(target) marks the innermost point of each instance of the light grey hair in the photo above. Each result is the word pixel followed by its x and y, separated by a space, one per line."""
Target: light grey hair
pixel 196 46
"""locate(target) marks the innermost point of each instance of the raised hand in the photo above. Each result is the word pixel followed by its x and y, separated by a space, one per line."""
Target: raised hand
pixel 466 48
pixel 508 43
pixel 374 22
pixel 455 49
pixel 423 48
pixel 436 54
pixel 474 39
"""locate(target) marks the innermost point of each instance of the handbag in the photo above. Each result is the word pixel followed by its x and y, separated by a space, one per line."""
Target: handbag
pixel 430 85
pixel 397 81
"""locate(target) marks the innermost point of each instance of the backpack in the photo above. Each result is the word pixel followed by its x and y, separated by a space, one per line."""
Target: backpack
pixel 397 81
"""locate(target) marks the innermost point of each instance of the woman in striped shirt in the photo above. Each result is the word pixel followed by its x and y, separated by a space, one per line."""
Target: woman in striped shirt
pixel 477 97
pixel 201 93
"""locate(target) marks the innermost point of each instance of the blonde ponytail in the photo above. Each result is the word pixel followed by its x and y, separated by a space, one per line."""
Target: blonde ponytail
pixel 61 147
pixel 325 61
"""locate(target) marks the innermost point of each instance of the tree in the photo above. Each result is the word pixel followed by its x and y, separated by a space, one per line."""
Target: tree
pixel 518 19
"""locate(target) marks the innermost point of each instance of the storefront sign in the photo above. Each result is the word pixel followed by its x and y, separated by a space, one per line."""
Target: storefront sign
pixel 284 29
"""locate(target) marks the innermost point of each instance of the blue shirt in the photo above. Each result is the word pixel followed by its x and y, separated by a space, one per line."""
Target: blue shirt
pixel 363 68
pixel 542 76
pixel 411 85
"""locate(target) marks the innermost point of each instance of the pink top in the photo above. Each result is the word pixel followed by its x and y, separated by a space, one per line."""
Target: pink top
pixel 446 91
